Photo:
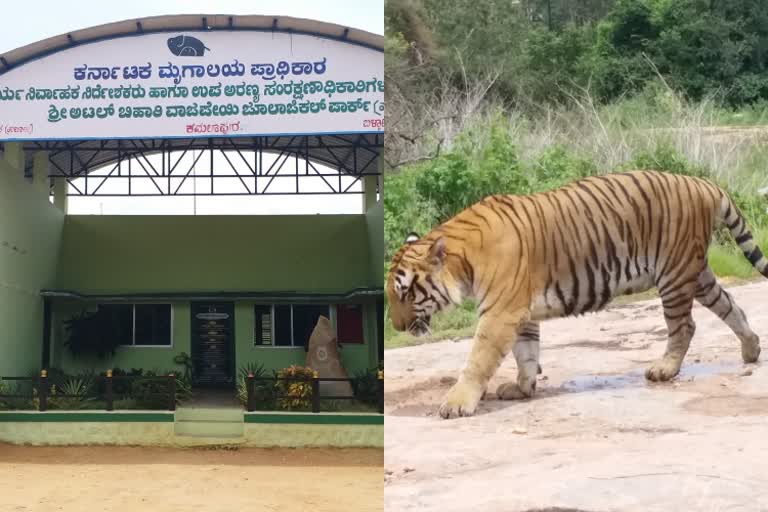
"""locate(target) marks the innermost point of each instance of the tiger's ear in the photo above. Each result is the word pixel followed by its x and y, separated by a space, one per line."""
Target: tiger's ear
pixel 411 237
pixel 437 252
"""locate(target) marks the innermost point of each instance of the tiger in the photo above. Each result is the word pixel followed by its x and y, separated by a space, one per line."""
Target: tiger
pixel 565 252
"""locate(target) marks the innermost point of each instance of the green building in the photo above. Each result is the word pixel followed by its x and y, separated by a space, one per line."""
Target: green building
pixel 228 290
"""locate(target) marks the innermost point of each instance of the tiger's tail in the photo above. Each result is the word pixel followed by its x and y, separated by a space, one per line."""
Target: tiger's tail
pixel 733 218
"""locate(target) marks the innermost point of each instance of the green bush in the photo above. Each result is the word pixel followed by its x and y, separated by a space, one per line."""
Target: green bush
pixel 365 386
pixel 120 387
pixel 85 391
pixel 405 210
pixel 78 391
pixel 557 166
pixel 463 176
pixel 427 194
pixel 753 207
pixel 5 403
pixel 665 158
pixel 24 389
pixel 150 389
pixel 265 391
pixel 92 334
pixel 185 360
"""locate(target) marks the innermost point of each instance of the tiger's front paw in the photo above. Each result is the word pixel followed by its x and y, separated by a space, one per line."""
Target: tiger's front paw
pixel 461 400
pixel 663 369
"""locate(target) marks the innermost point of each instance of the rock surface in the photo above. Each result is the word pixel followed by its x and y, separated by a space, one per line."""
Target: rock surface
pixel 598 437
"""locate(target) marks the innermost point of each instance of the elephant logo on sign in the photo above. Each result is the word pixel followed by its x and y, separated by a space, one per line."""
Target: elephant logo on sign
pixel 187 46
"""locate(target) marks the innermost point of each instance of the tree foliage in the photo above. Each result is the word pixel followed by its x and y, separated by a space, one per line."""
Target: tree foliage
pixel 542 49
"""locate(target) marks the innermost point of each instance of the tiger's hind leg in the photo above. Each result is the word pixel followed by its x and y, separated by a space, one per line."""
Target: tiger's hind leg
pixel 526 351
pixel 712 296
pixel 677 302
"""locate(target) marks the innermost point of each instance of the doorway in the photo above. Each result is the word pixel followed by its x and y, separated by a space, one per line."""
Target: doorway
pixel 213 350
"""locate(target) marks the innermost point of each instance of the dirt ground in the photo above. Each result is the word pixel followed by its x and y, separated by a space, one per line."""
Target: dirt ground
pixel 597 436
pixel 116 479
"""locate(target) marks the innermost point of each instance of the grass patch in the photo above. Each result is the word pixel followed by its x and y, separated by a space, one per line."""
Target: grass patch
pixel 746 115
pixel 404 339
pixel 728 260
pixel 456 323
pixel 725 262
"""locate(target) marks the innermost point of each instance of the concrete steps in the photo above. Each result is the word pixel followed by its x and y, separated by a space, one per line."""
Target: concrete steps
pixel 209 426
pixel 209 414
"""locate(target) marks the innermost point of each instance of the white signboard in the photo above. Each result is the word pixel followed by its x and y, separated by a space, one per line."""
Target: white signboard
pixel 195 84
pixel 212 316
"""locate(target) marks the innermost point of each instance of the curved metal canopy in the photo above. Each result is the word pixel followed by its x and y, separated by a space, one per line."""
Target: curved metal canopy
pixel 354 154
pixel 71 158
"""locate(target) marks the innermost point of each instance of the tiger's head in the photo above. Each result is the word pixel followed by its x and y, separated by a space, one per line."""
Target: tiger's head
pixel 417 285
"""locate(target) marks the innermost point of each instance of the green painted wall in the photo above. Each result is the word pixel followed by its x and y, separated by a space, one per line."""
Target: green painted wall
pixel 214 253
pixel 30 237
pixel 125 254
pixel 374 220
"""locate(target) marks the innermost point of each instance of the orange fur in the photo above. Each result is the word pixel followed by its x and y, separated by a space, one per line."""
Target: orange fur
pixel 565 252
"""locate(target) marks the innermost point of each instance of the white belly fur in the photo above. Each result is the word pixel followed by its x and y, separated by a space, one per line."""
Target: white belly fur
pixel 550 306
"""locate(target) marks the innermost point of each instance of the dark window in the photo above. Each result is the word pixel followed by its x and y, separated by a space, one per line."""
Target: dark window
pixel 283 326
pixel 138 324
pixel 349 323
pixel 293 324
pixel 153 324
pixel 263 327
pixel 118 320
pixel 304 320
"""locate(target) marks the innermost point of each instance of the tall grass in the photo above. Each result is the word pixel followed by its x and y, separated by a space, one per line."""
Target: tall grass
pixel 607 135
